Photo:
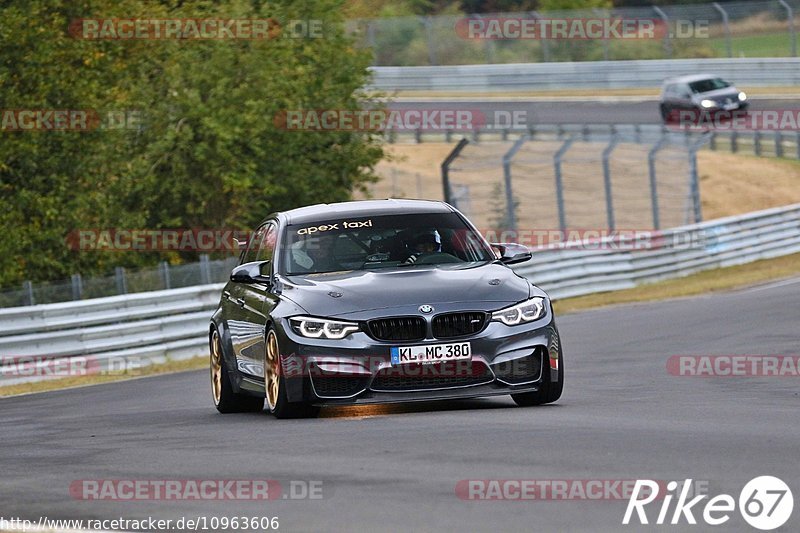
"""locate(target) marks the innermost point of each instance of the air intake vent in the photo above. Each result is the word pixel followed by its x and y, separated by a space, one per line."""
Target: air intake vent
pixel 458 324
pixel 401 328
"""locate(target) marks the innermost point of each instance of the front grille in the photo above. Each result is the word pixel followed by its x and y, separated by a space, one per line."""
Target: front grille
pixel 338 386
pixel 452 374
pixel 522 370
pixel 458 324
pixel 401 328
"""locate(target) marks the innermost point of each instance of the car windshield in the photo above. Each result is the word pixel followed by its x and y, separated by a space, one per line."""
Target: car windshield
pixel 375 242
pixel 711 84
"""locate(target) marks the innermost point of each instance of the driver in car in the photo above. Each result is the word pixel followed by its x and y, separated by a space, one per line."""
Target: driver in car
pixel 425 243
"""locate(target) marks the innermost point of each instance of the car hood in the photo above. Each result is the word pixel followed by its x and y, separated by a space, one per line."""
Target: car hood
pixel 720 95
pixel 357 294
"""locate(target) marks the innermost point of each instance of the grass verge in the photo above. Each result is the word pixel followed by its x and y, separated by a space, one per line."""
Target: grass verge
pixel 701 283
pixel 720 279
pixel 169 367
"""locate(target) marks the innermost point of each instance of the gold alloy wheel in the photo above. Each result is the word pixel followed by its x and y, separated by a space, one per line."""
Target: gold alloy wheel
pixel 216 367
pixel 272 378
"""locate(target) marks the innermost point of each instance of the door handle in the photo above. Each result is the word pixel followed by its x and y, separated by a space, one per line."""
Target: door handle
pixel 240 302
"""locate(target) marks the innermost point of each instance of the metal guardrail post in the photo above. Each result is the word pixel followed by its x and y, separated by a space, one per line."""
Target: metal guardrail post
pixel 797 141
pixel 757 142
pixel 77 287
pixel 446 169
pixel 418 135
pixel 792 33
pixel 163 267
pixel 205 270
pixel 511 216
pixel 712 141
pixel 725 22
pixel 607 181
pixel 651 165
pixel 734 144
pixel 778 144
pixel 122 283
pixel 27 286
pixel 562 217
pixel 667 42
pixel 371 40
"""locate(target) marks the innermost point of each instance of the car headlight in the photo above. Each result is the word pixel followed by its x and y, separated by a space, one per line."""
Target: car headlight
pixel 708 103
pixel 526 311
pixel 322 328
pixel 742 96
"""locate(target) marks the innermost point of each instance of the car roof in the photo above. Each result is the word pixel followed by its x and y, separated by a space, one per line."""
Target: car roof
pixel 361 208
pixel 690 78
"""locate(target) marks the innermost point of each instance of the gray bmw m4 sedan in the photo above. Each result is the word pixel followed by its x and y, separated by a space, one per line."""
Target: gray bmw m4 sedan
pixel 379 301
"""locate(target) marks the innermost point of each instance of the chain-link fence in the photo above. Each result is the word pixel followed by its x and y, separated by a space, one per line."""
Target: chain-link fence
pixel 579 179
pixel 123 281
pixel 758 28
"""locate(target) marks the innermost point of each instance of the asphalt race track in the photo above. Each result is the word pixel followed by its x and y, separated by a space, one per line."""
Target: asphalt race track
pixel 623 416
pixel 573 110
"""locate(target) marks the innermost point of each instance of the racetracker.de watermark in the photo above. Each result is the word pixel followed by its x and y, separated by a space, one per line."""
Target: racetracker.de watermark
pixel 68 120
pixel 561 489
pixel 195 489
pixel 23 366
pixel 736 120
pixel 117 29
pixel 731 366
pixel 157 240
pixel 375 120
pixel 601 238
pixel 577 29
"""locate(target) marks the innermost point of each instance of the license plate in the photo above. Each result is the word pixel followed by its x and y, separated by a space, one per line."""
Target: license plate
pixel 431 353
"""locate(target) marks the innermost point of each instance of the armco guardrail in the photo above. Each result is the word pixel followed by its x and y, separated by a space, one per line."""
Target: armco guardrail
pixel 173 324
pixel 648 74
pixel 112 332
pixel 576 269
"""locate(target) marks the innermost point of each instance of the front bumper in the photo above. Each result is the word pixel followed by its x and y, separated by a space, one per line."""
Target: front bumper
pixel 358 369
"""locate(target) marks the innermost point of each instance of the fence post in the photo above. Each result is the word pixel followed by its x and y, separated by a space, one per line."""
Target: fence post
pixel 446 168
pixel 545 43
pixel 163 267
pixel 728 47
pixel 757 142
pixel 426 22
pixel 77 287
pixel 511 216
pixel 122 283
pixel 562 217
pixel 712 141
pixel 600 13
pixel 797 141
pixel 734 144
pixel 607 181
pixel 694 180
pixel 651 165
pixel 667 42
pixel 27 286
pixel 778 144
pixel 205 270
pixel 792 34
pixel 371 40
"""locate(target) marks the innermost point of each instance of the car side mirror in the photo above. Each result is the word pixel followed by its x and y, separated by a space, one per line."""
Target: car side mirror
pixel 252 273
pixel 511 253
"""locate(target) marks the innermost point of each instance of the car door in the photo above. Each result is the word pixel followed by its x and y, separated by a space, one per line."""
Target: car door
pixel 245 331
pixel 259 301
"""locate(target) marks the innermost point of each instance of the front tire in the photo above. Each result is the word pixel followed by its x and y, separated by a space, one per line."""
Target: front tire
pixel 549 392
pixel 275 385
pixel 225 399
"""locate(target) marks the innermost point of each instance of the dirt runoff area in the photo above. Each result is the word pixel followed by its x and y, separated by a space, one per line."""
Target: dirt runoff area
pixel 730 184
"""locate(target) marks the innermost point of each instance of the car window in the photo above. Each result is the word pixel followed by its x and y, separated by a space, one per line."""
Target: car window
pixel 267 248
pixel 710 84
pixel 384 241
pixel 254 246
